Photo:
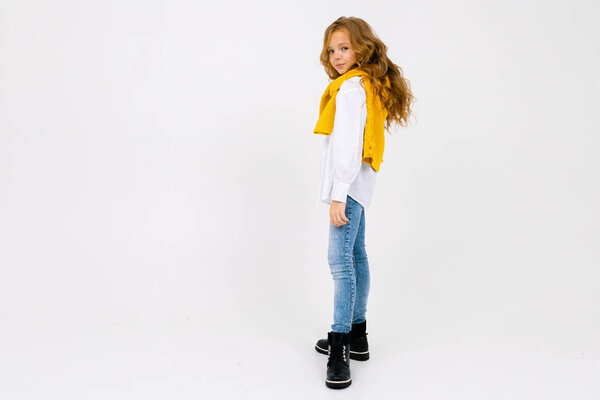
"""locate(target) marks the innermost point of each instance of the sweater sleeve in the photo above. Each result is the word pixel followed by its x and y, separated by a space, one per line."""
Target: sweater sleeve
pixel 347 139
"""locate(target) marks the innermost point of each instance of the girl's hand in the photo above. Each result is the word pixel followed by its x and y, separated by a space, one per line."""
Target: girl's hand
pixel 336 213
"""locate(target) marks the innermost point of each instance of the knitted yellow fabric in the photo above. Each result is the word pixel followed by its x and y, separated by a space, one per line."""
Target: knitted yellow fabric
pixel 373 137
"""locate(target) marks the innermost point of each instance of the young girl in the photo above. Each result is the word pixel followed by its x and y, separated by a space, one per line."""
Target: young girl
pixel 367 94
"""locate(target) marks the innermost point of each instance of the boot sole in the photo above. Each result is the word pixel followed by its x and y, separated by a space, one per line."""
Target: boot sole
pixel 338 384
pixel 354 355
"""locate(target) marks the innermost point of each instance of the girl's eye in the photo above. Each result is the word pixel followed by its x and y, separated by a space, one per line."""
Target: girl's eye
pixel 330 51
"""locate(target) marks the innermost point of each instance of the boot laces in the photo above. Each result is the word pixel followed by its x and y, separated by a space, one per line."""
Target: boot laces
pixel 343 351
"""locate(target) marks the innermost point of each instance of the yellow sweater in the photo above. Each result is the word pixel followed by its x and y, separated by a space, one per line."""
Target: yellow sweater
pixel 373 137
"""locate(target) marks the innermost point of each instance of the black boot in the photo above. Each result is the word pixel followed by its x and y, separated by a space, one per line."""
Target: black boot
pixel 359 346
pixel 338 364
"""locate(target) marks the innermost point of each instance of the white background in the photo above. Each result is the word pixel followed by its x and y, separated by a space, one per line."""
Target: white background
pixel 159 230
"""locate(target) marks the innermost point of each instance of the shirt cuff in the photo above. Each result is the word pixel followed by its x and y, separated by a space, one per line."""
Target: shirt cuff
pixel 340 191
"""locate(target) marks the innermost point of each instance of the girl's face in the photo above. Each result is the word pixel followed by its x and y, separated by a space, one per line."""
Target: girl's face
pixel 341 55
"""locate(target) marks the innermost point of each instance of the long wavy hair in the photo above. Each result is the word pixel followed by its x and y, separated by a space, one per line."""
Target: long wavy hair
pixel 371 57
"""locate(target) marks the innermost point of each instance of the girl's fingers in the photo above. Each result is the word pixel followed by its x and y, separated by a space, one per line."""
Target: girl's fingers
pixel 333 220
pixel 337 217
pixel 341 218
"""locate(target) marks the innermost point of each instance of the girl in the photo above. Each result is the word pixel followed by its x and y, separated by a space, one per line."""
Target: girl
pixel 367 94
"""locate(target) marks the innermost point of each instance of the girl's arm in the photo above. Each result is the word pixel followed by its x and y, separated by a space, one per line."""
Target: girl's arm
pixel 347 138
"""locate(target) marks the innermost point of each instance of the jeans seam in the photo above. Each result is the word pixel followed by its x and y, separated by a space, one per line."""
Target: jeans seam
pixel 350 263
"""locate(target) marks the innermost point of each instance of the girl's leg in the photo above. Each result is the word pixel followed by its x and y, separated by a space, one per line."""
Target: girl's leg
pixel 341 264
pixel 363 279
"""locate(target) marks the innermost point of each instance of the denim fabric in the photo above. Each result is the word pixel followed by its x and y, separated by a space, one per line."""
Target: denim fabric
pixel 349 268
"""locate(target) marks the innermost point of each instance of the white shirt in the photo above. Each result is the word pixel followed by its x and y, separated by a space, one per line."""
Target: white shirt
pixel 342 170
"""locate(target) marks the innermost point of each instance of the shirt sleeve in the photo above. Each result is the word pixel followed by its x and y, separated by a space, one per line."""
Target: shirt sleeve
pixel 346 140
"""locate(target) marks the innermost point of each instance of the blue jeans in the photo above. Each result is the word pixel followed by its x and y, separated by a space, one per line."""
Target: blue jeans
pixel 349 268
